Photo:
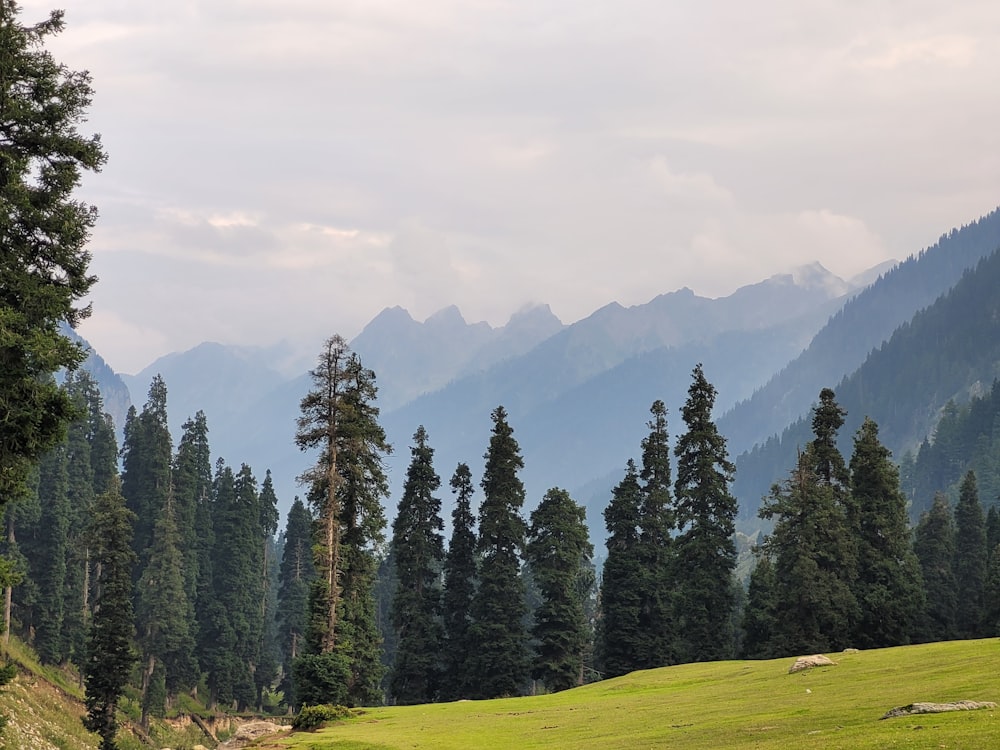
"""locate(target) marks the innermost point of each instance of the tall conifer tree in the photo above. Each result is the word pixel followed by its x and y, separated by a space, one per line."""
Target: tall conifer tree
pixel 146 459
pixel 459 588
pixel 347 485
pixel 888 587
pixel 934 545
pixel 621 640
pixel 656 525
pixel 418 551
pixel 706 516
pixel 970 559
pixel 296 573
pixel 558 554
pixel 499 659
pixel 110 657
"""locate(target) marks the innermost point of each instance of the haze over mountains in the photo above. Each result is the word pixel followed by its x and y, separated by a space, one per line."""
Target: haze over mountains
pixel 577 395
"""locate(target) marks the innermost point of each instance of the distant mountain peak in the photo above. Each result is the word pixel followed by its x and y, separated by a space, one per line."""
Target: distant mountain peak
pixel 446 316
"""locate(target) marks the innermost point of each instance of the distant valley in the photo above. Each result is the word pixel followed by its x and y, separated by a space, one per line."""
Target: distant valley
pixel 578 395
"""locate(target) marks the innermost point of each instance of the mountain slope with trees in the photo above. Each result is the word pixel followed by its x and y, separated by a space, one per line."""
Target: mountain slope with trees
pixel 948 351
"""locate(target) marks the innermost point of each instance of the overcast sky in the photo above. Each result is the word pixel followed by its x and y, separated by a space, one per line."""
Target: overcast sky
pixel 284 170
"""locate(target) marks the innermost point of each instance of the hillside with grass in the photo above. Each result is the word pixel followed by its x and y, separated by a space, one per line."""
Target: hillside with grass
pixel 731 704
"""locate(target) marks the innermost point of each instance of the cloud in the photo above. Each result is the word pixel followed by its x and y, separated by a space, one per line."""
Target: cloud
pixel 290 168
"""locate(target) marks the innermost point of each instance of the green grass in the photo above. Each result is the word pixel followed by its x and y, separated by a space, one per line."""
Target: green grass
pixel 736 704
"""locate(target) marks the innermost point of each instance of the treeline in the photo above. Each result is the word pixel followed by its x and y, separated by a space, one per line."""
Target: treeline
pixel 215 604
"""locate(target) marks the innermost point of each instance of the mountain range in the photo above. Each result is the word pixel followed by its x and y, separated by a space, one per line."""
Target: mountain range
pixel 578 395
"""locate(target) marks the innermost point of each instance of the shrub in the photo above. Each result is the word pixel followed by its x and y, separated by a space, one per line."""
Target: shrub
pixel 311 717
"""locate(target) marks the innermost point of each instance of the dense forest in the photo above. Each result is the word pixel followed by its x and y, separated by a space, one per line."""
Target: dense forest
pixel 336 607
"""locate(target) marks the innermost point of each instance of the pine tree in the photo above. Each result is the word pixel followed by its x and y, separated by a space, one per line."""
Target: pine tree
pixel 558 553
pixel 828 462
pixel 888 587
pixel 621 640
pixel 418 552
pixel 362 521
pixel 809 544
pixel 499 659
pixel 191 476
pixel 706 515
pixel 265 671
pixel 656 525
pixel 146 459
pixel 43 235
pixel 109 643
pixel 934 546
pixel 970 559
pixel 238 584
pixel 347 484
pixel 296 573
pixel 459 589
pixel 47 556
pixel 760 618
pixel 163 618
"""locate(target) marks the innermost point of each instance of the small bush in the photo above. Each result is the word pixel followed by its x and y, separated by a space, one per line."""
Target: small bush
pixel 311 717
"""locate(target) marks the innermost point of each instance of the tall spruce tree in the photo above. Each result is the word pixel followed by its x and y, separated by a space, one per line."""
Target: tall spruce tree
pixel 706 516
pixel 362 521
pixel 888 586
pixel 163 619
pixel 296 573
pixel 80 496
pixel 146 460
pixel 110 657
pixel 346 486
pixel 621 639
pixel 47 555
pixel 459 589
pixel 934 545
pixel 970 559
pixel 760 616
pixel 192 489
pixel 816 608
pixel 656 525
pixel 43 235
pixel 418 551
pixel 558 554
pixel 499 662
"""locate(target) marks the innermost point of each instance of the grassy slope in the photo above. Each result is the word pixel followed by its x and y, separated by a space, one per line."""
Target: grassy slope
pixel 736 704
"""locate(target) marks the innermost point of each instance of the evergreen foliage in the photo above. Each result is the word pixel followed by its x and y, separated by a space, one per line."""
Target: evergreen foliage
pixel 459 589
pixel 346 486
pixel 970 560
pixel 163 618
pixel 418 553
pixel 621 640
pixel 146 460
pixel 48 555
pixel 934 545
pixel 760 617
pixel 43 236
pixel 815 606
pixel 706 514
pixel 888 588
pixel 296 573
pixel 499 662
pixel 110 657
pixel 558 554
pixel 656 546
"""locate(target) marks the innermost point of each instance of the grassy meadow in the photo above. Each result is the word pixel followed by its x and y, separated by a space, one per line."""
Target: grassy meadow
pixel 734 704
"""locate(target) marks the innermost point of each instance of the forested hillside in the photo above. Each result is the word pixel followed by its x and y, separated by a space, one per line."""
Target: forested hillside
pixel 863 324
pixel 950 350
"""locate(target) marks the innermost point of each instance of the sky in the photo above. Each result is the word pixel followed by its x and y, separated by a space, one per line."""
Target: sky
pixel 282 171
